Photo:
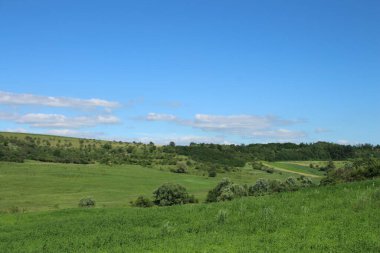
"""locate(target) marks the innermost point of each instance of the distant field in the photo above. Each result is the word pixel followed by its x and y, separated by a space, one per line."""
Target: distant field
pixel 296 167
pixel 42 186
pixel 341 218
pixel 338 164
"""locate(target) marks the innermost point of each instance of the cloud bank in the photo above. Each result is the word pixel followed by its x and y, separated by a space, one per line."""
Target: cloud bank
pixel 247 126
pixel 9 98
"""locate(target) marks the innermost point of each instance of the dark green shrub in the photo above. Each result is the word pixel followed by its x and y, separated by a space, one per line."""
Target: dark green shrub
pixel 181 168
pixel 260 166
pixel 172 194
pixel 142 201
pixel 226 190
pixel 276 186
pixel 359 169
pixel 87 202
pixel 291 184
pixel 260 188
pixel 212 173
pixel 257 165
pixel 305 181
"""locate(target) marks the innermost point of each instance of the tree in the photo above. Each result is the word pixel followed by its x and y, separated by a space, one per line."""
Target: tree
pixel 226 190
pixel 172 194
pixel 261 187
pixel 142 201
pixel 87 202
pixel 330 165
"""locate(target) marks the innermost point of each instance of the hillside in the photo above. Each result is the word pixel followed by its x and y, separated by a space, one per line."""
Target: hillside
pixel 36 186
pixel 341 218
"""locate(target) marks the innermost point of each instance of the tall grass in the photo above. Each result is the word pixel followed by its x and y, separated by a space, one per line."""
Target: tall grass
pixel 341 218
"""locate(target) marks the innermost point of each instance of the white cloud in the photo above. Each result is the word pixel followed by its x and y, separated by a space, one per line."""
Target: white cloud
pixel 41 120
pixel 10 98
pixel 179 139
pixel 16 130
pixel 7 116
pixel 75 133
pixel 321 130
pixel 160 117
pixel 248 126
pixel 344 142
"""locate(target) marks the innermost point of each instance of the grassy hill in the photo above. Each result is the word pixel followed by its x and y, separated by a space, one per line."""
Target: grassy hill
pixel 341 218
pixel 39 200
pixel 34 186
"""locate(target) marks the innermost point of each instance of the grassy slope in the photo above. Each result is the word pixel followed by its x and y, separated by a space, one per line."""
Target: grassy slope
pixel 41 186
pixel 293 166
pixel 342 218
pixel 54 139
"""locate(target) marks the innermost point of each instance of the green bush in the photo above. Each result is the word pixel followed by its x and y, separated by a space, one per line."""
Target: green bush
pixel 260 166
pixel 226 190
pixel 291 184
pixel 260 188
pixel 212 173
pixel 87 202
pixel 276 186
pixel 305 181
pixel 142 201
pixel 359 169
pixel 172 194
pixel 181 168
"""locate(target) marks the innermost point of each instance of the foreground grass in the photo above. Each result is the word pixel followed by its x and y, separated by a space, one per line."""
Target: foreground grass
pixel 36 186
pixel 342 218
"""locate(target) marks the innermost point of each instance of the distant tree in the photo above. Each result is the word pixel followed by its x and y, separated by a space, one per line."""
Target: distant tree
pixel 87 202
pixel 330 165
pixel 172 194
pixel 142 201
pixel 212 173
pixel 261 187
pixel 226 190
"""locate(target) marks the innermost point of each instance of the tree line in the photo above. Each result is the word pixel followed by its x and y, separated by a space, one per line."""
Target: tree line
pixel 223 156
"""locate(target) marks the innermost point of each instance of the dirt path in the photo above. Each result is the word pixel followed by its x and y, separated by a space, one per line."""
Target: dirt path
pixel 292 171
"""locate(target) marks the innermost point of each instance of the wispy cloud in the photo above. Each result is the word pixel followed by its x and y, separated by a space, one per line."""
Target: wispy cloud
pixel 16 130
pixel 42 120
pixel 9 98
pixel 321 130
pixel 249 126
pixel 163 139
pixel 160 117
pixel 75 133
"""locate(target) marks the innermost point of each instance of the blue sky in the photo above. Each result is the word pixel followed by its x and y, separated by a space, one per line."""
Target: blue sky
pixel 183 71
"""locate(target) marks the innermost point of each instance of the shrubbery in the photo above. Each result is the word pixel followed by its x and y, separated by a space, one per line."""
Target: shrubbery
pixel 172 194
pixel 142 201
pixel 226 190
pixel 359 169
pixel 87 202
pixel 260 166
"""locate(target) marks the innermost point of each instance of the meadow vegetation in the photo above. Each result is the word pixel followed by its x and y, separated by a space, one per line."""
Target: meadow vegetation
pixel 75 195
pixel 340 218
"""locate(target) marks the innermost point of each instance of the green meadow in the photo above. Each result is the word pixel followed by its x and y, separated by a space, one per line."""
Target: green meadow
pixel 39 209
pixel 35 186
pixel 341 218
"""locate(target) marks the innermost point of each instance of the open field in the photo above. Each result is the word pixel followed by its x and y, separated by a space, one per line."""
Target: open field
pixel 36 186
pixel 338 164
pixel 296 168
pixel 341 218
